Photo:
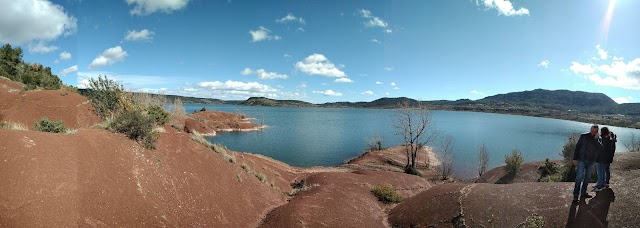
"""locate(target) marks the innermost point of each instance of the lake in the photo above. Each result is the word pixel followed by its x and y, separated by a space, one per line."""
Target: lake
pixel 330 136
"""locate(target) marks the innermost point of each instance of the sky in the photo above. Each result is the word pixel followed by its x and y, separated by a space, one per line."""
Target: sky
pixel 334 50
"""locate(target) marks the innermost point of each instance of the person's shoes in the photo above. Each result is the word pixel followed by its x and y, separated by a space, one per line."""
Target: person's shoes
pixel 606 185
pixel 597 189
pixel 585 195
pixel 575 199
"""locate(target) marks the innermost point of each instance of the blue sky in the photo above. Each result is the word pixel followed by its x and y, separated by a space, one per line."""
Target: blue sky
pixel 325 51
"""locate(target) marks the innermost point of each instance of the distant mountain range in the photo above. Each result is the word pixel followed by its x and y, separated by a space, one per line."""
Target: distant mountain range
pixel 559 104
pixel 560 100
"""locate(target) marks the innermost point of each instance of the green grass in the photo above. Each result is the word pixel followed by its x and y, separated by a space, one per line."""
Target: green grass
pixel 386 194
pixel 53 126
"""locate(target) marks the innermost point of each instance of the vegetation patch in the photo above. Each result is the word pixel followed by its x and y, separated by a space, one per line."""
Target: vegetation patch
pixel 53 126
pixel 32 75
pixel 386 194
pixel 547 169
pixel 301 186
pixel 513 161
pixel 412 171
pixel 12 126
pixel 136 126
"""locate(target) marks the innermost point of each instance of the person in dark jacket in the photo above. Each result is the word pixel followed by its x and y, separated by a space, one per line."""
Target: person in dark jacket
pixel 587 149
pixel 604 159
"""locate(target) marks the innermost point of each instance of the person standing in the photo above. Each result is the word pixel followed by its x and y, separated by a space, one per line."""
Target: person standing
pixel 587 149
pixel 604 159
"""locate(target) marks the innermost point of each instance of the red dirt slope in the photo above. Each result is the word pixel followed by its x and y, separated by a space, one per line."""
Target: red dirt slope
pixel 29 106
pixel 343 200
pixel 97 178
pixel 485 205
pixel 208 122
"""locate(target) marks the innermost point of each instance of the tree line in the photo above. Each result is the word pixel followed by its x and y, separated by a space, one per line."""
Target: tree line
pixel 33 75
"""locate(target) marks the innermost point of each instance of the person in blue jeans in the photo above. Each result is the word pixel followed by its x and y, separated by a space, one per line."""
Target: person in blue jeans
pixel 587 149
pixel 604 159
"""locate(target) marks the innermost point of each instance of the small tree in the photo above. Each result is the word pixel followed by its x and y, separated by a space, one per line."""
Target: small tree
pixel 446 158
pixel 483 159
pixel 375 143
pixel 416 129
pixel 568 168
pixel 514 161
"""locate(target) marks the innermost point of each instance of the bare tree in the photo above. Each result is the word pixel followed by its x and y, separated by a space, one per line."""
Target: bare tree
pixel 446 158
pixel 177 109
pixel 632 144
pixel 416 129
pixel 483 159
pixel 375 143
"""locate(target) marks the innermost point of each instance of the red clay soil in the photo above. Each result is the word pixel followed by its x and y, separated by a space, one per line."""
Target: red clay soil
pixel 208 122
pixel 28 107
pixel 98 178
pixel 485 205
pixel 528 173
pixel 389 159
pixel 343 199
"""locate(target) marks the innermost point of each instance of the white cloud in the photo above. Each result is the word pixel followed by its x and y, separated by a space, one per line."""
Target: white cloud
pixel 146 7
pixel 65 55
pixel 616 58
pixel 318 64
pixel 290 18
pixel 261 34
pixel 576 67
pixel 602 53
pixel 388 68
pixel 622 100
pixel 69 70
pixel 142 35
pixel 108 57
pixel 263 74
pixel 544 63
pixel 396 87
pixel 237 87
pixel 367 92
pixel 373 21
pixel 376 41
pixel 303 85
pixel 379 83
pixel 29 21
pixel 41 47
pixel 614 73
pixel 287 56
pixel 300 29
pixel 392 84
pixel 504 7
pixel 477 92
pixel 343 80
pixel 329 92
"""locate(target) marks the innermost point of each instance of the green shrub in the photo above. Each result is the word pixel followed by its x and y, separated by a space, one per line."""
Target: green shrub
pixel 514 161
pixel 412 171
pixel 261 177
pixel 549 168
pixel 386 194
pixel 105 95
pixel 203 109
pixel 136 126
pixel 54 126
pixel 158 114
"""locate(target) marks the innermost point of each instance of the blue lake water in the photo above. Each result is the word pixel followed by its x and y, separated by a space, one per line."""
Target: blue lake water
pixel 328 137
